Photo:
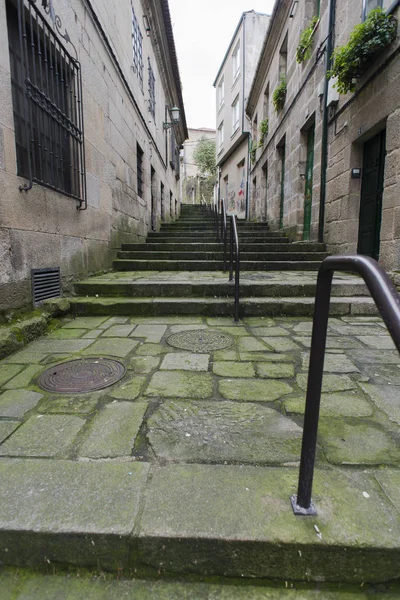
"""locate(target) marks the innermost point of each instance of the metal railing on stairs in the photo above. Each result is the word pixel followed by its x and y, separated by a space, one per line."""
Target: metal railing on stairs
pixel 388 303
pixel 234 239
pixel 234 243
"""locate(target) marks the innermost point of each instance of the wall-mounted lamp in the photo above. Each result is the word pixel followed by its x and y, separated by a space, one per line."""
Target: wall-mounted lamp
pixel 293 9
pixel 146 24
pixel 175 115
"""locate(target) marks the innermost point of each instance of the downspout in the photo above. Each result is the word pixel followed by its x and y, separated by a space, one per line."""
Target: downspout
pixel 324 140
pixel 243 111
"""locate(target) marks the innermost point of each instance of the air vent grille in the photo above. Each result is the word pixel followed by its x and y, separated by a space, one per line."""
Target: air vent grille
pixel 46 283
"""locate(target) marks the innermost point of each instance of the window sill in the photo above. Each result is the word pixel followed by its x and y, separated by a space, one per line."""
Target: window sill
pixel 236 129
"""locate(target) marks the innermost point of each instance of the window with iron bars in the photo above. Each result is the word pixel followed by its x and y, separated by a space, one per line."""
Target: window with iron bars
pixel 152 91
pixel 47 103
pixel 137 39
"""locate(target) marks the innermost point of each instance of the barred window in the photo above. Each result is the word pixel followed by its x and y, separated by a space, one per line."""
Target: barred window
pixel 152 91
pixel 47 103
pixel 137 39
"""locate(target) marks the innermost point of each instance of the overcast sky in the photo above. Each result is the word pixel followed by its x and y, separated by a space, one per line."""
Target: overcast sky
pixel 203 30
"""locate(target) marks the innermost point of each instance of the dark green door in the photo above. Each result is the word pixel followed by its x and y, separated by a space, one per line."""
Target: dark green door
pixel 371 196
pixel 309 183
pixel 282 207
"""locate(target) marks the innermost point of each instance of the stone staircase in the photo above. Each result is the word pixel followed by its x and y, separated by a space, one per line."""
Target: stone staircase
pixel 190 244
pixel 179 270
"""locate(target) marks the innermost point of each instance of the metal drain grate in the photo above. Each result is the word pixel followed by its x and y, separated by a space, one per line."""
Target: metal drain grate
pixel 200 341
pixel 82 375
pixel 46 283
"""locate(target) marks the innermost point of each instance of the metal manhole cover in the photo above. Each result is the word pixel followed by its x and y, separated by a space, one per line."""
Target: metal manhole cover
pixel 82 375
pixel 200 340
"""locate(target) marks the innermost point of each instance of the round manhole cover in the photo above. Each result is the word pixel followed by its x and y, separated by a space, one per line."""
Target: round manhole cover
pixel 82 375
pixel 200 340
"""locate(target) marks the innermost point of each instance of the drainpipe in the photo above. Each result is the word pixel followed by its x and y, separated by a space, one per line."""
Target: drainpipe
pixel 247 210
pixel 324 140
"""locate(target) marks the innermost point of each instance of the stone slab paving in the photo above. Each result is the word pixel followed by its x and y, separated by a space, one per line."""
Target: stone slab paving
pixel 203 447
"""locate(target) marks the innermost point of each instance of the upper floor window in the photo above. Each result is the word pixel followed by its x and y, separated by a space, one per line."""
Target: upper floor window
pixel 221 136
pixel 152 92
pixel 369 5
pixel 137 48
pixel 221 93
pixel 236 61
pixel 235 114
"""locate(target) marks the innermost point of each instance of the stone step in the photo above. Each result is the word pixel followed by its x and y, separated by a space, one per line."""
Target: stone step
pixel 173 519
pixel 84 585
pixel 245 246
pixel 211 265
pixel 218 256
pixel 105 286
pixel 212 236
pixel 249 307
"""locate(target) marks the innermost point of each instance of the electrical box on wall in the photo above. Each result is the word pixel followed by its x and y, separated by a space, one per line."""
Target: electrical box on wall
pixel 356 173
pixel 333 94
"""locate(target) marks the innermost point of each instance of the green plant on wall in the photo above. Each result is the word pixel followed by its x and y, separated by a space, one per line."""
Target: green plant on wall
pixel 366 41
pixel 263 129
pixel 304 49
pixel 279 95
pixel 264 125
pixel 253 152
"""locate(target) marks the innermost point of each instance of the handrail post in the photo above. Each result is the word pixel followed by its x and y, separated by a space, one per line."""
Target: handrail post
pixel 301 502
pixel 224 230
pixel 231 251
pixel 237 272
pixel 387 301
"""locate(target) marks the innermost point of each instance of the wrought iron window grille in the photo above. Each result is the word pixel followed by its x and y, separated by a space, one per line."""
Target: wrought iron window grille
pixel 152 91
pixel 47 101
pixel 137 48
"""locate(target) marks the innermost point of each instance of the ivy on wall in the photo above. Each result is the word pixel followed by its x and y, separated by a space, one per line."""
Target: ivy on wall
pixel 304 49
pixel 366 41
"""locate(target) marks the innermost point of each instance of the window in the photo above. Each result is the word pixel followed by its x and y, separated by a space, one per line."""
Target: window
pixel 266 103
pixel 236 61
pixel 139 169
pixel 221 136
pixel 283 52
pixel 47 105
pixel 137 48
pixel 255 130
pixel 369 5
pixel 235 114
pixel 221 93
pixel 152 92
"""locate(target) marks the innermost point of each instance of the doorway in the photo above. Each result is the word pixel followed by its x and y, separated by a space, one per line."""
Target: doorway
pixel 309 183
pixel 371 196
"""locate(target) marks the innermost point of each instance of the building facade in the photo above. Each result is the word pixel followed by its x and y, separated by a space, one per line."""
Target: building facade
pixel 89 151
pixel 191 180
pixel 232 83
pixel 328 167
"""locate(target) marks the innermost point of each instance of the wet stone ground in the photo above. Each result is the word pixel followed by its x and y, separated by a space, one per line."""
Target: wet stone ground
pixel 242 404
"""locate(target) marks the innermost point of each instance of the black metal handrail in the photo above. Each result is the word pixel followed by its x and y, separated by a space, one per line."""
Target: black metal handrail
pixel 234 239
pixel 224 232
pixel 388 302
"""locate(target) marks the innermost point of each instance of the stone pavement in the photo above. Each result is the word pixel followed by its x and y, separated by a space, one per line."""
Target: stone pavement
pixel 186 465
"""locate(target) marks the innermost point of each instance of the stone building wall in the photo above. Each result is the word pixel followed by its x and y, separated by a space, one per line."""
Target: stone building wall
pixel 287 128
pixel 353 120
pixel 374 107
pixel 43 228
pixel 190 181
